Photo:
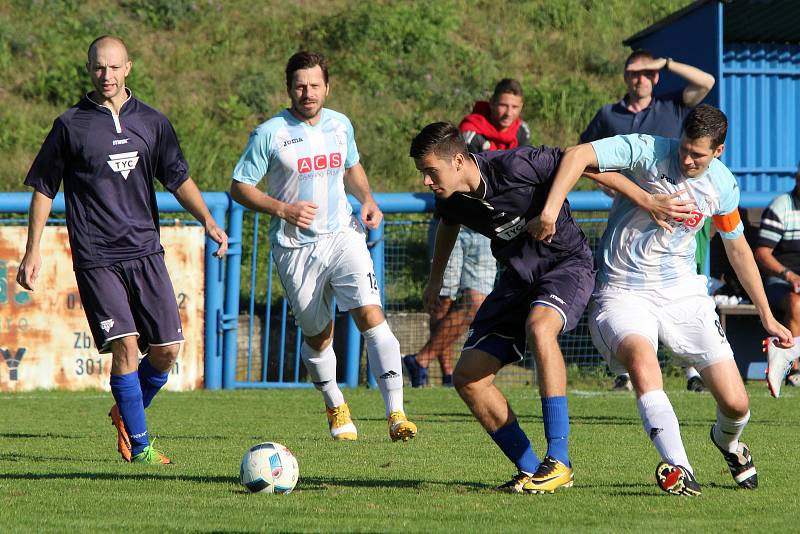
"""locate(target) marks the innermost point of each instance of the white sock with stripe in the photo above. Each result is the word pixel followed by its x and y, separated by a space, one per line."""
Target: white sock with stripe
pixel 383 353
pixel 727 430
pixel 662 427
pixel 321 367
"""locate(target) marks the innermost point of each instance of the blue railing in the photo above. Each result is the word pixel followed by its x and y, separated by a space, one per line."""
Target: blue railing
pixel 218 204
pixel 224 285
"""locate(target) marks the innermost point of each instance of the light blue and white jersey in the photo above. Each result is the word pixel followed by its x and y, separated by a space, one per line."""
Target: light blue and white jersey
pixel 302 162
pixel 636 253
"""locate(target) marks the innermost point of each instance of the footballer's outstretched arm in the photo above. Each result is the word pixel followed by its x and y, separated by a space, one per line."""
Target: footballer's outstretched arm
pixel 744 265
pixel 31 263
pixel 357 184
pixel 575 162
pixel 190 198
pixel 446 235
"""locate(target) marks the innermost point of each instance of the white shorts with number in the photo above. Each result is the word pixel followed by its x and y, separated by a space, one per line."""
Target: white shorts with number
pixel 336 265
pixel 685 321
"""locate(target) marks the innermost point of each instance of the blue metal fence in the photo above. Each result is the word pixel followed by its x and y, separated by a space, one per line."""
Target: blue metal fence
pixel 267 354
pixel 218 204
pixel 234 360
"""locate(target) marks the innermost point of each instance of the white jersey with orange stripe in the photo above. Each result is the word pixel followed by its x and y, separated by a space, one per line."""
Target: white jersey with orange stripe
pixel 636 253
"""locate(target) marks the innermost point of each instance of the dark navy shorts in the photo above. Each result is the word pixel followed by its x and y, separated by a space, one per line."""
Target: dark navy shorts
pixel 499 325
pixel 131 298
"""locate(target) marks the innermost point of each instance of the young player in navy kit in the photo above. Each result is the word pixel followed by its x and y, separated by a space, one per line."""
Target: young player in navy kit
pixel 107 149
pixel 542 292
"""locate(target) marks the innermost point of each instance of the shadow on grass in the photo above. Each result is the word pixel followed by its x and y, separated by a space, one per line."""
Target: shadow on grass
pixel 18 457
pixel 306 483
pixel 26 435
pixel 323 483
pixel 200 479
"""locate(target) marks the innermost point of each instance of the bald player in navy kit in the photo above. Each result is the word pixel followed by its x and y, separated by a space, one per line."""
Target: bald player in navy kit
pixel 108 149
pixel 542 292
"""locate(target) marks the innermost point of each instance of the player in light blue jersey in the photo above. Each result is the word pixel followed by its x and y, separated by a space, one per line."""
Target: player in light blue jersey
pixel 647 290
pixel 308 154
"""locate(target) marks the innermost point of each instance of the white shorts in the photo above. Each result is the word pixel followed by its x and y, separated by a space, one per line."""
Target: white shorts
pixel 336 265
pixel 687 324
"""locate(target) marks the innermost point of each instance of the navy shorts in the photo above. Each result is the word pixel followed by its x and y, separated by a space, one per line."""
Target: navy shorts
pixel 131 298
pixel 499 325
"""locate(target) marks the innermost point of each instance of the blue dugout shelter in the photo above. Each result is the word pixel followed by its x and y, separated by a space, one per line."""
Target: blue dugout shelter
pixel 752 48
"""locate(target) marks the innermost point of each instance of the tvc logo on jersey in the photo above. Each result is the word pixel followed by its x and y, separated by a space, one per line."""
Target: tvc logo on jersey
pixel 319 162
pixel 123 163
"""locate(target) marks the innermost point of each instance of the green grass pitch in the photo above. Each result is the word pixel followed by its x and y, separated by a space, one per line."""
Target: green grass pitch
pixel 59 469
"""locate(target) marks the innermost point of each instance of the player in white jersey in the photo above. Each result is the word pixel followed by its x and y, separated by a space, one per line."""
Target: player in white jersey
pixel 647 289
pixel 309 156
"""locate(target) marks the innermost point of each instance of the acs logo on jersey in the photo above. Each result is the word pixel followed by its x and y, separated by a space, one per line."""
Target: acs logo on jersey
pixel 319 162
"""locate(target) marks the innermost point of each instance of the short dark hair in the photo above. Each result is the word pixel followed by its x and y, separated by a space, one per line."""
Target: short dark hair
pixel 706 121
pixel 440 138
pixel 507 85
pixel 639 53
pixel 305 59
pixel 106 37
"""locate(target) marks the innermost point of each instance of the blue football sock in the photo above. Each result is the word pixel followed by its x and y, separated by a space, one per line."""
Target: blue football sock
pixel 556 427
pixel 151 380
pixel 516 446
pixel 128 394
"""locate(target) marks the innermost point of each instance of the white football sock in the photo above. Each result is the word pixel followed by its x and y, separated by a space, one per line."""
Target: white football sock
pixel 321 367
pixel 691 372
pixel 662 428
pixel 727 431
pixel 383 353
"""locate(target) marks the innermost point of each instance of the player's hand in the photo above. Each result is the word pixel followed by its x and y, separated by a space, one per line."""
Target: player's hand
pixel 28 271
pixel 785 339
pixel 218 234
pixel 793 279
pixel 542 227
pixel 371 214
pixel 301 213
pixel 665 208
pixel 430 295
pixel 655 64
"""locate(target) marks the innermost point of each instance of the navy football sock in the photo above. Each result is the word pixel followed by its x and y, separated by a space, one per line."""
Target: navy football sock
pixel 556 427
pixel 150 380
pixel 516 446
pixel 128 394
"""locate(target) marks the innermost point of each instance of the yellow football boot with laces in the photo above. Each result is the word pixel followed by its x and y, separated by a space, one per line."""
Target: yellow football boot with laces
pixel 340 423
pixel 400 427
pixel 551 475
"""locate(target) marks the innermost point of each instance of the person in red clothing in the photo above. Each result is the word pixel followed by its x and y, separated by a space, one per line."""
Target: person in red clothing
pixel 471 270
pixel 496 124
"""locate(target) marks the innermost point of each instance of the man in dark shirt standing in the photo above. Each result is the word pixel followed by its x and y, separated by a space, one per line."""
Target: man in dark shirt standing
pixel 107 149
pixel 639 111
pixel 542 292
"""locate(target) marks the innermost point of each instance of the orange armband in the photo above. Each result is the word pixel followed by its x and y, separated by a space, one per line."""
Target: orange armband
pixel 727 222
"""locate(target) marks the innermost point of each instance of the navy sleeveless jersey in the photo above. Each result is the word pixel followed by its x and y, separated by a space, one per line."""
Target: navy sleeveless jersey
pixel 108 165
pixel 516 183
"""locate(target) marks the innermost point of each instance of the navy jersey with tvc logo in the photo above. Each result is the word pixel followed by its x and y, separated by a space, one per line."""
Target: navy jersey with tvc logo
pixel 108 164
pixel 516 184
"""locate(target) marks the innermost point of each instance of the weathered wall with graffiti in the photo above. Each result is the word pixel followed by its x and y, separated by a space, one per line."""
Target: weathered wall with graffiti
pixel 45 341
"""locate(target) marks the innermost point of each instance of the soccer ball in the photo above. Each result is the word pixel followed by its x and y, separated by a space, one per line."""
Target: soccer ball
pixel 269 468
